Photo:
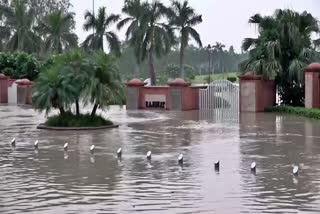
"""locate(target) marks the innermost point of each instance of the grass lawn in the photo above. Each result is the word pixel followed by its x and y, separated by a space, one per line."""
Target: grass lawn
pixel 202 79
pixel 299 111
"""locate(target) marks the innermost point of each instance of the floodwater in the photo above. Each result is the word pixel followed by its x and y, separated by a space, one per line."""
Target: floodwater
pixel 51 181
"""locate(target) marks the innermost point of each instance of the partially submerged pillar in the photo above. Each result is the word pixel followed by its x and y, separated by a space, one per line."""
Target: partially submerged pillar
pixel 312 86
pixel 134 98
pixel 3 88
pixel 256 93
pixel 23 91
pixel 177 93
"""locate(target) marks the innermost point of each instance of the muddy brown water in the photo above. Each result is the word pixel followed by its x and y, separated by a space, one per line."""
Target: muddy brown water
pixel 51 181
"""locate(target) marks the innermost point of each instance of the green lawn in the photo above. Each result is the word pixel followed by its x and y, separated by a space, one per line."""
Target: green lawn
pixel 202 79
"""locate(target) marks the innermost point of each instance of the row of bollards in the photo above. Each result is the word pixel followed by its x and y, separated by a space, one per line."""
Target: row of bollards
pixel 253 166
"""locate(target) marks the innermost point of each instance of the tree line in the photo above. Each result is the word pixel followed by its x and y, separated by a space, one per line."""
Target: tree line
pixel 46 27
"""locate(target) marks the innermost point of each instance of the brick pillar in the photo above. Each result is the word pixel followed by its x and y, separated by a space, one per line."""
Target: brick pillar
pixel 312 86
pixel 134 97
pixel 3 88
pixel 256 93
pixel 24 91
pixel 177 95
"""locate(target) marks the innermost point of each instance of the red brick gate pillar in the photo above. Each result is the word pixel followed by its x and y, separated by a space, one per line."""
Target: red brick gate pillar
pixel 256 93
pixel 312 86
pixel 3 88
pixel 134 96
pixel 24 91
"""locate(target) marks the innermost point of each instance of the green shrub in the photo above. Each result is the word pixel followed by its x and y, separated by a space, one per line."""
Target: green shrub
pixel 232 79
pixel 300 111
pixel 70 120
pixel 19 65
pixel 9 72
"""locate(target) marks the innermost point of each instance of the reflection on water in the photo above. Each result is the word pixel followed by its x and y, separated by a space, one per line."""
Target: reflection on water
pixel 50 180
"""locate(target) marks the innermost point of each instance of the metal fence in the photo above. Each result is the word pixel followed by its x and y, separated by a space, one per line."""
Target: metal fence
pixel 220 94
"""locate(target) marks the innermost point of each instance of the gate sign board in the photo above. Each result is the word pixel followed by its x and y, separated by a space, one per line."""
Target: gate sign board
pixel 133 98
pixel 175 96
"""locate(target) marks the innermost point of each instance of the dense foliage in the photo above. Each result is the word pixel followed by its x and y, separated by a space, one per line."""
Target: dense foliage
pixel 19 65
pixel 70 120
pixel 200 60
pixel 282 50
pixel 90 78
pixel 36 26
pixel 300 111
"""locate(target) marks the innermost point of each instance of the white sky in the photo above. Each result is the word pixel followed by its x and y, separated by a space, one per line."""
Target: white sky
pixel 224 21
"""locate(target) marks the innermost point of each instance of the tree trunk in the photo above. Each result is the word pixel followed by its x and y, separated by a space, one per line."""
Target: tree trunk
pixel 94 110
pixel 151 67
pixel 182 74
pixel 61 109
pixel 77 107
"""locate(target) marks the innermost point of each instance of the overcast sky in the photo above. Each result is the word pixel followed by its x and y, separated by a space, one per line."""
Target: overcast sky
pixel 225 21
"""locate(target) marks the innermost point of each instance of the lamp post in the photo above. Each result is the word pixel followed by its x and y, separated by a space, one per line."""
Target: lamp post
pixel 93 15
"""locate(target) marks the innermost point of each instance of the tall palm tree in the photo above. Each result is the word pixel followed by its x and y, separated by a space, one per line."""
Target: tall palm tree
pixel 20 20
pixel 184 18
pixel 135 10
pixel 153 37
pixel 101 24
pixel 218 49
pixel 57 31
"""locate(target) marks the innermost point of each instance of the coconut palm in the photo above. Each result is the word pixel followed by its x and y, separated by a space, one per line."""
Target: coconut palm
pixel 135 10
pixel 184 18
pixel 20 20
pixel 219 55
pixel 104 84
pixel 57 31
pixel 282 50
pixel 153 37
pixel 100 25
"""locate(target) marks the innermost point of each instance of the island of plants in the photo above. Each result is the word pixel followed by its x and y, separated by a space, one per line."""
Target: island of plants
pixel 73 80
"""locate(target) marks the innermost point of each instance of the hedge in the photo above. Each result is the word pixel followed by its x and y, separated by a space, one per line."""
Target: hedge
pixel 300 111
pixel 19 65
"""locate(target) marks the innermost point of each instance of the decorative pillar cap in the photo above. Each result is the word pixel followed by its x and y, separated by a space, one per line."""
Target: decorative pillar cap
pixel 135 83
pixel 23 82
pixel 250 75
pixel 313 67
pixel 178 82
pixel 3 77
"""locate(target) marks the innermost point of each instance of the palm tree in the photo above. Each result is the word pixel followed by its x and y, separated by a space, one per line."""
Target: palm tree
pixel 218 49
pixel 100 24
pixel 152 37
pixel 104 85
pixel 57 31
pixel 184 18
pixel 135 11
pixel 20 20
pixel 52 89
pixel 282 50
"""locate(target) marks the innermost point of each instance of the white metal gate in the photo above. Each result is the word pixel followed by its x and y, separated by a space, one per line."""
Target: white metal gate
pixel 220 94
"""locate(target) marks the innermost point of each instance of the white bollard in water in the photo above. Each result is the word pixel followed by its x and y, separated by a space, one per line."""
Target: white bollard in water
pixel 253 167
pixel 65 147
pixel 180 159
pixel 119 153
pixel 295 170
pixel 149 155
pixel 36 144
